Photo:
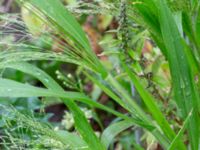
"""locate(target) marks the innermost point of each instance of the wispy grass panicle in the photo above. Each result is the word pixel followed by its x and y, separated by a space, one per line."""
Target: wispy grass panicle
pixel 99 7
pixel 23 125
pixel 65 38
pixel 123 25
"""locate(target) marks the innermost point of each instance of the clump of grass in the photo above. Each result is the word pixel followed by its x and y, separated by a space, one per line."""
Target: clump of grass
pixel 170 35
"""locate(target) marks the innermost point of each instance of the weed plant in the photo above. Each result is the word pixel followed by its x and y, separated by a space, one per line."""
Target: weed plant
pixel 173 28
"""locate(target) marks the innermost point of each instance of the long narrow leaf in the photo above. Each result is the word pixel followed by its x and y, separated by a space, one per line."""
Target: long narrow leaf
pixel 9 88
pixel 151 105
pixel 113 130
pixel 48 81
pixel 183 82
pixel 63 22
pixel 180 133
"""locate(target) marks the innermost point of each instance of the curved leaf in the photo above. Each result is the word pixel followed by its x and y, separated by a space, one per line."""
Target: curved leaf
pixel 113 130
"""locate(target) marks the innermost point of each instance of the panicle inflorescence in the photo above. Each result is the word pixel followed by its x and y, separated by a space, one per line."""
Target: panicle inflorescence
pixel 69 80
pixel 60 47
pixel 42 134
pixel 124 30
pixel 123 25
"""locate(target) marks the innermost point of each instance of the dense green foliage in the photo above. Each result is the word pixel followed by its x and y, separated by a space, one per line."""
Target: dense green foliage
pixel 157 87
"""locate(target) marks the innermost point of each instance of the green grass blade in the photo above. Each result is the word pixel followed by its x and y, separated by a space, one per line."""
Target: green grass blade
pixel 150 103
pixel 42 76
pixel 9 88
pixel 83 127
pixel 107 90
pixel 48 81
pixel 148 13
pixel 197 26
pixel 24 90
pixel 56 11
pixel 113 130
pixel 74 141
pixel 180 133
pixel 183 82
pixel 188 26
pixel 68 140
pixel 133 108
pixel 60 19
pixel 80 120
pixel 162 139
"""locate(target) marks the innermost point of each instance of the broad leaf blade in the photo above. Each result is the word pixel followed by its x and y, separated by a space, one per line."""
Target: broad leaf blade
pixel 183 82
